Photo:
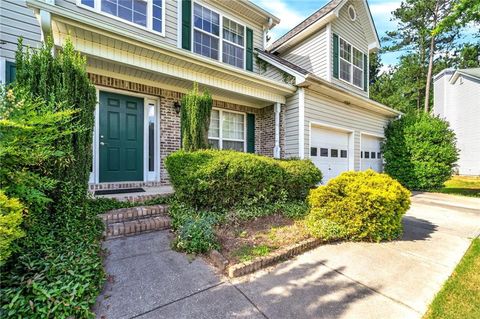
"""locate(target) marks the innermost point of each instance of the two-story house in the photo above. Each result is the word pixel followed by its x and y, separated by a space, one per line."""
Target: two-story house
pixel 304 96
pixel 457 100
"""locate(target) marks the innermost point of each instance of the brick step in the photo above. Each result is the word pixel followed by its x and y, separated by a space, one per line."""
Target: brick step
pixel 136 226
pixel 133 213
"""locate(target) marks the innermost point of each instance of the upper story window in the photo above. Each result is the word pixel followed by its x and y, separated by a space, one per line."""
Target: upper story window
pixel 218 37
pixel 351 64
pixel 148 14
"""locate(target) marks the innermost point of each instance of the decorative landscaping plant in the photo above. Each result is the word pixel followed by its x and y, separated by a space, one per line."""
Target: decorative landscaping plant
pixel 420 151
pixel 46 124
pixel 213 179
pixel 358 206
pixel 195 119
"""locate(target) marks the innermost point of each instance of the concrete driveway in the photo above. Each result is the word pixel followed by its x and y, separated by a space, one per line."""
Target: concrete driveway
pixel 347 280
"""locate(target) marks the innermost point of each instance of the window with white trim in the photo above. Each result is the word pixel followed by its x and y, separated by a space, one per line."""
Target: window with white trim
pixel 227 130
pixel 218 37
pixel 147 14
pixel 206 31
pixel 351 64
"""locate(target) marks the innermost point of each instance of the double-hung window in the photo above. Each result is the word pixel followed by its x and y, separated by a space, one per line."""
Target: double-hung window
pixel 147 14
pixel 351 64
pixel 206 32
pixel 233 43
pixel 227 130
pixel 218 37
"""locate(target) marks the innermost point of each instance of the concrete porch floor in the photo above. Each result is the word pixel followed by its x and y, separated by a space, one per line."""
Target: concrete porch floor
pixel 150 191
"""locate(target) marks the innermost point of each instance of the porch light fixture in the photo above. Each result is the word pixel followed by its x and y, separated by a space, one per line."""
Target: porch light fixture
pixel 177 106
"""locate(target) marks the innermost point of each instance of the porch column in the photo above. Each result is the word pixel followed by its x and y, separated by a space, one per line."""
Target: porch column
pixel 276 149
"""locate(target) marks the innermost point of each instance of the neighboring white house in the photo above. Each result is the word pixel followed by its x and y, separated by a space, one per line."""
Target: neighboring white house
pixel 457 99
pixel 304 96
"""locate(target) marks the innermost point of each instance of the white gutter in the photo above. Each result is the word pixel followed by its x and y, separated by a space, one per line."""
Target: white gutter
pixel 124 34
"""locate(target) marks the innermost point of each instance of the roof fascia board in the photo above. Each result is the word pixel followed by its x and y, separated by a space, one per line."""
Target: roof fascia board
pixel 264 12
pixel 308 31
pixel 100 27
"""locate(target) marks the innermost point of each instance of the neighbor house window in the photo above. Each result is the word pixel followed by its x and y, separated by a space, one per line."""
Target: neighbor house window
pixel 351 64
pixel 223 41
pixel 148 14
pixel 227 130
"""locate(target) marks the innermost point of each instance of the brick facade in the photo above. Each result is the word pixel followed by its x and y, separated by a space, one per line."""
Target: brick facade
pixel 170 120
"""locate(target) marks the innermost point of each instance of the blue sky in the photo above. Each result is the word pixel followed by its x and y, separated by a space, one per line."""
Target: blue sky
pixel 292 12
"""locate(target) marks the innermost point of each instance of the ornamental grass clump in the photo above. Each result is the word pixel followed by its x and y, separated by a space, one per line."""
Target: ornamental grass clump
pixel 358 206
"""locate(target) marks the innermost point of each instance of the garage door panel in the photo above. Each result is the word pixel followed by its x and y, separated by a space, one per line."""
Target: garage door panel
pixel 370 155
pixel 329 151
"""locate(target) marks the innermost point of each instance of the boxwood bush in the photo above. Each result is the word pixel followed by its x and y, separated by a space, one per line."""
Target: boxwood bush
pixel 419 151
pixel 213 179
pixel 358 206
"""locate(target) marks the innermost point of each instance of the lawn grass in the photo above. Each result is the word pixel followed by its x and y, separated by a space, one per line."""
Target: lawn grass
pixel 462 185
pixel 460 296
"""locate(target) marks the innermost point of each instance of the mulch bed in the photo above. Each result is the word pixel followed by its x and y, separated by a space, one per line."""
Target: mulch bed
pixel 245 241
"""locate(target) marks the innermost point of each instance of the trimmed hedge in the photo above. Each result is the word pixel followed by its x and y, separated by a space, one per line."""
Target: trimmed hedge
pixel 358 206
pixel 213 179
pixel 420 151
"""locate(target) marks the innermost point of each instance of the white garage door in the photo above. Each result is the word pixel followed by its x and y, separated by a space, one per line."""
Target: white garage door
pixel 329 151
pixel 370 153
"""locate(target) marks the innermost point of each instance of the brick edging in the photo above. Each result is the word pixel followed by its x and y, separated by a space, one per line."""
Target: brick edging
pixel 139 226
pixel 258 263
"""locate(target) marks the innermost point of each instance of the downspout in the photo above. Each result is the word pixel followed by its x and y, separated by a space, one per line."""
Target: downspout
pixel 276 149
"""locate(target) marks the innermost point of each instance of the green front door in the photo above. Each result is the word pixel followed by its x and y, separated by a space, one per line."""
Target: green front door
pixel 121 138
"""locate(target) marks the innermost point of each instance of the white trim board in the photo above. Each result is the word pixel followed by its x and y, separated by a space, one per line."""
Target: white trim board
pixel 147 101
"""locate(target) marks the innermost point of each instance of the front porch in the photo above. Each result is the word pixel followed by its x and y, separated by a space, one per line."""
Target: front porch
pixel 258 130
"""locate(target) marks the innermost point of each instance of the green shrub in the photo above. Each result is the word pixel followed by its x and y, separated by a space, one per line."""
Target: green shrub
pixel 195 119
pixel 419 151
pixel 10 220
pixel 196 235
pixel 300 176
pixel 46 125
pixel 214 180
pixel 358 206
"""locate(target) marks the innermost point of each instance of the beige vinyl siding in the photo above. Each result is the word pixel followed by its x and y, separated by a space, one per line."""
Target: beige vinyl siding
pixel 310 54
pixel 321 109
pixel 273 73
pixel 17 20
pixel 291 126
pixel 354 33
pixel 170 20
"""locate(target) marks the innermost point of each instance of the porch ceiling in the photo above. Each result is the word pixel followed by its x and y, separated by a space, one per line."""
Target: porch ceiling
pixel 110 52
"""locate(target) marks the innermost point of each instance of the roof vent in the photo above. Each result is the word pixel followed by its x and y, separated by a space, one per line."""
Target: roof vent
pixel 352 13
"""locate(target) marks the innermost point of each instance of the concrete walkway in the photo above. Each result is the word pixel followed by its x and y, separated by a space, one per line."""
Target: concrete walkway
pixel 348 280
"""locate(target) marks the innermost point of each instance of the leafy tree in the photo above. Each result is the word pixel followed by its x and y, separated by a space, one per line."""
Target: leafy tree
pixel 195 119
pixel 416 21
pixel 419 151
pixel 462 13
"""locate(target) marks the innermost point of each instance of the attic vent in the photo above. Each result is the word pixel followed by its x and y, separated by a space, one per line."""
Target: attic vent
pixel 352 13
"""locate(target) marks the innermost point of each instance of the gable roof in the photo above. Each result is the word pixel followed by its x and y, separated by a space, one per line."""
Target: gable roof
pixel 321 17
pixel 472 73
pixel 283 62
pixel 317 15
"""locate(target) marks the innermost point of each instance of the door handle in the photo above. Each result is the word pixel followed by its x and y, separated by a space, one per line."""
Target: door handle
pixel 101 143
